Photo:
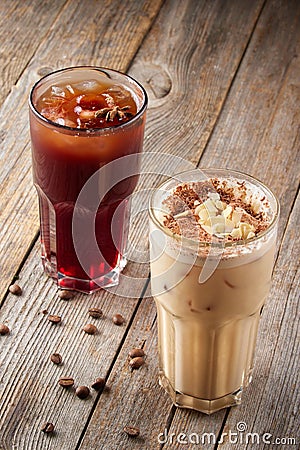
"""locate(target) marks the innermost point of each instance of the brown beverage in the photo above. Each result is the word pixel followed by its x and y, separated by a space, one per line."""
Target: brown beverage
pixel 81 119
pixel 208 316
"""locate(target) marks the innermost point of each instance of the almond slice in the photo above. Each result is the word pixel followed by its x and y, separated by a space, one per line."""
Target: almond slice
pixel 182 214
pixel 207 229
pixel 214 196
pixel 227 211
pixel 204 215
pixel 236 233
pixel 255 206
pixel 236 217
pixel 220 205
pixel 199 208
pixel 209 204
pixel 245 229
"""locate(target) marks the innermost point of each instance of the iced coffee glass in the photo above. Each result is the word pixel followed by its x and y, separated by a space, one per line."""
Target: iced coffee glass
pixel 212 244
pixel 85 123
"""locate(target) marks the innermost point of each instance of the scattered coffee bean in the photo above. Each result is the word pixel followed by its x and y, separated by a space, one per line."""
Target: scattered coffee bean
pixel 95 312
pixel 4 329
pixel 44 311
pixel 82 392
pixel 89 328
pixel 132 431
pixel 136 363
pixel 136 352
pixel 66 381
pixel 66 295
pixel 98 384
pixel 56 358
pixel 47 427
pixel 118 319
pixel 15 289
pixel 54 319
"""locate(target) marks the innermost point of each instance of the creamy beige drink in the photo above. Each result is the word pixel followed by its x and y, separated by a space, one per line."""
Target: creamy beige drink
pixel 212 240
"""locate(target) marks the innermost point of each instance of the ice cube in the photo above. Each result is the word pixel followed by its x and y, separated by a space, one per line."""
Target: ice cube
pixel 60 121
pixel 87 86
pixel 70 89
pixel 51 113
pixel 58 91
pixel 65 122
pixel 119 93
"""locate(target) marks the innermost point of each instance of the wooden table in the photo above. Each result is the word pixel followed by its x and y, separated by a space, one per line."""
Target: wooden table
pixel 223 85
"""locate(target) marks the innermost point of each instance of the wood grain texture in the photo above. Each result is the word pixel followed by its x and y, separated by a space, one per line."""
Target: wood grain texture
pixel 187 64
pixel 270 402
pixel 137 399
pixel 221 77
pixel 21 31
pixel 29 390
pixel 258 131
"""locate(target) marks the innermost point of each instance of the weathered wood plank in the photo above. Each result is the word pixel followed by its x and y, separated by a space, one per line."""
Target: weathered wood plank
pixel 187 64
pixel 258 131
pixel 271 401
pixel 29 390
pixel 136 398
pixel 108 36
pixel 46 286
pixel 189 422
pixel 260 134
pixel 23 26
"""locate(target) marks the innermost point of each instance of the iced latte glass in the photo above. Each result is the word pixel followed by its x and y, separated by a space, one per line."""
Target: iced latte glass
pixel 85 122
pixel 212 241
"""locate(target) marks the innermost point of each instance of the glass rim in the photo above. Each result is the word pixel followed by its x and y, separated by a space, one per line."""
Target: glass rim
pixel 88 131
pixel 187 242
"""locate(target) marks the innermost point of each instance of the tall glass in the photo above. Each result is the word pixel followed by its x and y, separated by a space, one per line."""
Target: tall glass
pixel 209 297
pixel 84 123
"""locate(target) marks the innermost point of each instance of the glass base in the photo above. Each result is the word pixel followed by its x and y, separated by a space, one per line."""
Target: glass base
pixel 199 404
pixel 88 285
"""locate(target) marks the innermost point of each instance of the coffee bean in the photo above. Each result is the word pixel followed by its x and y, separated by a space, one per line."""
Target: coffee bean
pixel 4 329
pixel 82 392
pixel 95 312
pixel 47 427
pixel 136 352
pixel 89 328
pixel 56 358
pixel 15 289
pixel 66 295
pixel 66 381
pixel 132 431
pixel 54 319
pixel 136 363
pixel 118 319
pixel 98 384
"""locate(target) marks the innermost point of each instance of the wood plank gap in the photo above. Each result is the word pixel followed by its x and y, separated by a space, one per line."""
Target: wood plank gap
pixel 169 422
pixel 222 428
pixel 231 83
pixel 21 265
pixel 113 363
pixel 41 43
pixel 286 226
pixel 154 320
pixel 144 38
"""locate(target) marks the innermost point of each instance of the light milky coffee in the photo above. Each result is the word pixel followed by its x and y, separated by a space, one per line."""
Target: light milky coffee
pixel 224 225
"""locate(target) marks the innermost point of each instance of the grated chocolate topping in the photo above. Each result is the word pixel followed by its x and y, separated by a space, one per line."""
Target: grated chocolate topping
pixel 212 197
